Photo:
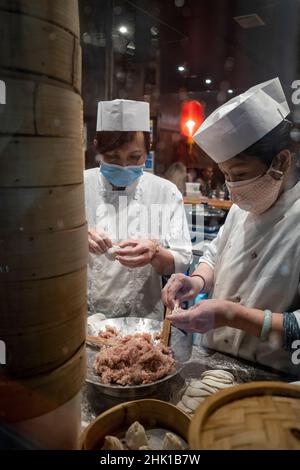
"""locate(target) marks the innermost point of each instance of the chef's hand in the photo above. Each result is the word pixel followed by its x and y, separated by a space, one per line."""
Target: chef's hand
pixel 203 316
pixel 180 288
pixel 99 242
pixel 136 253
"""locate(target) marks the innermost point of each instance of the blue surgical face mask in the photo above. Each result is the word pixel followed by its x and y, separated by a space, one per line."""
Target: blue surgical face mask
pixel 121 176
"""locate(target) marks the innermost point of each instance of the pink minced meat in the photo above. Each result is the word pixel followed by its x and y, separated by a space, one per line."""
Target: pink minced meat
pixel 132 359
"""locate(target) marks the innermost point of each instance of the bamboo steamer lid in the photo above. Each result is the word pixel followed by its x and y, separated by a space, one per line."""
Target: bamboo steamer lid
pixel 149 412
pixel 63 13
pixel 40 161
pixel 35 350
pixel 27 398
pixel 58 54
pixel 32 304
pixel 32 210
pixel 40 109
pixel 258 415
pixel 43 255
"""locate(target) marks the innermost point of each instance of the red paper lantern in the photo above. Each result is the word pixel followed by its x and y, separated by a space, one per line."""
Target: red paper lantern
pixel 192 117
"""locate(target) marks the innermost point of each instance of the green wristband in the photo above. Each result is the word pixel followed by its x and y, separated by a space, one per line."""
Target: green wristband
pixel 267 325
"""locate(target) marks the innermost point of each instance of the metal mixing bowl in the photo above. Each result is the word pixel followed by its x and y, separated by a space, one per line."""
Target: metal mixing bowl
pixel 180 342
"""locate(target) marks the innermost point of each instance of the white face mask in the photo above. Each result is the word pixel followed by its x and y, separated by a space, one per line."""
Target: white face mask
pixel 257 194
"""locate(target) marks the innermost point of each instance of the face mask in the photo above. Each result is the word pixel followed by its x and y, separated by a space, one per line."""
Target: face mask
pixel 258 194
pixel 121 176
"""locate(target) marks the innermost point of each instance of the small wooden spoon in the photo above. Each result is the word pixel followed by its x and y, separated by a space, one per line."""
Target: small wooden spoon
pixel 166 329
pixel 97 341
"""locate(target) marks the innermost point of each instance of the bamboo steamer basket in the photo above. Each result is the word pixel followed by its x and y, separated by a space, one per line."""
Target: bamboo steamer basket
pixel 37 108
pixel 32 304
pixel 25 399
pixel 39 349
pixel 40 161
pixel 258 415
pixel 62 13
pixel 34 45
pixel 43 255
pixel 149 412
pixel 37 210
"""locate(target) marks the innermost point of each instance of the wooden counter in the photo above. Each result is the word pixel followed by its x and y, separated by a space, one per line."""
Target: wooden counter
pixel 218 203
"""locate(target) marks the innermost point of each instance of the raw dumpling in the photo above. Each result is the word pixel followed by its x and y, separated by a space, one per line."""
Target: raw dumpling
pixel 171 442
pixel 111 252
pixel 136 436
pixel 145 448
pixel 182 407
pixel 196 392
pixel 112 443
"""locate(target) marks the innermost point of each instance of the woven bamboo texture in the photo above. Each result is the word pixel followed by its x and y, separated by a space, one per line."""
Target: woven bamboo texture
pixel 259 415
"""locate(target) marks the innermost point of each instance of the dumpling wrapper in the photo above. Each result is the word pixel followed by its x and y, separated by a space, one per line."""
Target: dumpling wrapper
pixel 112 443
pixel 219 374
pixel 192 402
pixel 135 436
pixel 111 252
pixel 196 392
pixel 172 442
pixel 181 406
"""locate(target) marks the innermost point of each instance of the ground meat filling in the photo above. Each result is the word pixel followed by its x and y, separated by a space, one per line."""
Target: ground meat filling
pixel 132 359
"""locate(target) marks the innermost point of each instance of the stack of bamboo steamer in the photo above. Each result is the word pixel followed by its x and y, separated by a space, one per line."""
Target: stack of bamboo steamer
pixel 43 233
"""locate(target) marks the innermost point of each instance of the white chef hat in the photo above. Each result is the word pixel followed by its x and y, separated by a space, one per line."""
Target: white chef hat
pixel 242 121
pixel 123 115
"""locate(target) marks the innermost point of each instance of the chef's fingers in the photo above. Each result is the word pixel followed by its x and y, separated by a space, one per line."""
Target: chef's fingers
pixel 93 235
pixel 132 243
pixel 183 296
pixel 136 262
pixel 132 252
pixel 102 245
pixel 94 247
pixel 108 242
pixel 174 291
pixel 181 320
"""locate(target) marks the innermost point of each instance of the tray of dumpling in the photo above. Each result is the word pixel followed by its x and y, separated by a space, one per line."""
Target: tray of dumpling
pixel 138 425
pixel 126 358
pixel 198 390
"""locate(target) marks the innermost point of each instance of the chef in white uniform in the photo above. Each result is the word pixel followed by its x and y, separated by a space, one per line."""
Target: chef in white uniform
pixel 251 271
pixel 137 224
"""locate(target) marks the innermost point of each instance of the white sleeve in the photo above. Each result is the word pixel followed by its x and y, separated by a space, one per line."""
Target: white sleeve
pixel 178 237
pixel 211 250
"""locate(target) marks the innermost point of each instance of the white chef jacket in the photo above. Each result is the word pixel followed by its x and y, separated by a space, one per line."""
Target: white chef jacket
pixel 256 261
pixel 116 290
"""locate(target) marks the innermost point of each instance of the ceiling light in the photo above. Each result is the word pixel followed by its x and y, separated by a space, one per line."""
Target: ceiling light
pixel 208 81
pixel 123 29
pixel 181 68
pixel 230 91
